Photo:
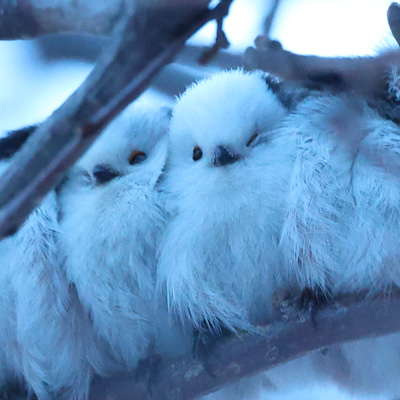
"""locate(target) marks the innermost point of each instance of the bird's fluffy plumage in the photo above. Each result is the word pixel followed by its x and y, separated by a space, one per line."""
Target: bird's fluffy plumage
pixel 312 238
pixel 372 252
pixel 342 227
pixel 110 232
pixel 78 278
pixel 219 254
pixel 41 339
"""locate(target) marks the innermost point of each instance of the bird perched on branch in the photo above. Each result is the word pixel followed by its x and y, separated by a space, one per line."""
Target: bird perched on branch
pixel 220 251
pixel 313 236
pixel 370 255
pixel 342 228
pixel 40 316
pixel 111 220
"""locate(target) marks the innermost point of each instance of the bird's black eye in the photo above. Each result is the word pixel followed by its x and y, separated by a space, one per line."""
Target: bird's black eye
pixel 197 153
pixel 136 157
pixel 104 173
pixel 251 140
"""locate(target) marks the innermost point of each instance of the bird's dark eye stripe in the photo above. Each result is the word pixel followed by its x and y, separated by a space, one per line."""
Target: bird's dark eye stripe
pixel 104 173
pixel 197 153
pixel 251 140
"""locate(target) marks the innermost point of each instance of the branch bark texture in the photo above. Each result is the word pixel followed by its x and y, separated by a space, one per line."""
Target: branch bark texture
pixel 148 40
pixel 364 76
pixel 24 19
pixel 291 335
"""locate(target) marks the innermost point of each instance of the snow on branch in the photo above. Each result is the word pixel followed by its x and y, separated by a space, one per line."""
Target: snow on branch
pixel 148 40
pixel 292 334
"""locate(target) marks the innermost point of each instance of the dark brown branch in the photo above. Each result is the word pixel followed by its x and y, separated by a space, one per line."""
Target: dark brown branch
pixel 364 76
pixel 292 335
pixel 23 19
pixel 149 40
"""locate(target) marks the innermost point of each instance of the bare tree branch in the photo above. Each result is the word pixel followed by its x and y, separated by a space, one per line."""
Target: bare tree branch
pixel 23 19
pixel 221 42
pixel 269 20
pixel 149 39
pixel 364 76
pixel 173 79
pixel 293 334
pixel 88 48
pixel 67 46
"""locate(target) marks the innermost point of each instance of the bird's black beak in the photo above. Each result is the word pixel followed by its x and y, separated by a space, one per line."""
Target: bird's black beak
pixel 224 156
pixel 104 173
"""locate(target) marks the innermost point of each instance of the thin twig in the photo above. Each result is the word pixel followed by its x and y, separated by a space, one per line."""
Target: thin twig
pixel 221 41
pixel 269 20
pixel 293 334
pixel 149 40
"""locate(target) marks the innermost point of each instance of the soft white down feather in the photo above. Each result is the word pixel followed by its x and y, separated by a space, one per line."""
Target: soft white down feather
pixel 112 217
pixel 219 255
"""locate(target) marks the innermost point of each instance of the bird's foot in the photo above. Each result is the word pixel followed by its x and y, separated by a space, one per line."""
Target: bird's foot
pixel 312 300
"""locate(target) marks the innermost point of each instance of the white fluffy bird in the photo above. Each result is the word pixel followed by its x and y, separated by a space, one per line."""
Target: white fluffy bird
pixel 342 228
pixel 313 236
pixel 39 315
pixel 369 256
pixel 112 217
pixel 220 252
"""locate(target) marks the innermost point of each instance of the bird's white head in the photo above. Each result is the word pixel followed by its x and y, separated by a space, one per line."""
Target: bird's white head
pixel 216 121
pixel 132 149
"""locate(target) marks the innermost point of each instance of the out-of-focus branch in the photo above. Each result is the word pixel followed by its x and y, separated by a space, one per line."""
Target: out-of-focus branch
pixel 67 46
pixel 223 59
pixel 88 48
pixel 364 76
pixel 393 16
pixel 23 19
pixel 269 20
pixel 171 81
pixel 174 79
pixel 221 42
pixel 149 39
pixel 292 335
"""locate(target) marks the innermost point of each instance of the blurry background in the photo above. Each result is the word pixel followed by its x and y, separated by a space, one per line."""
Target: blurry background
pixel 38 75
